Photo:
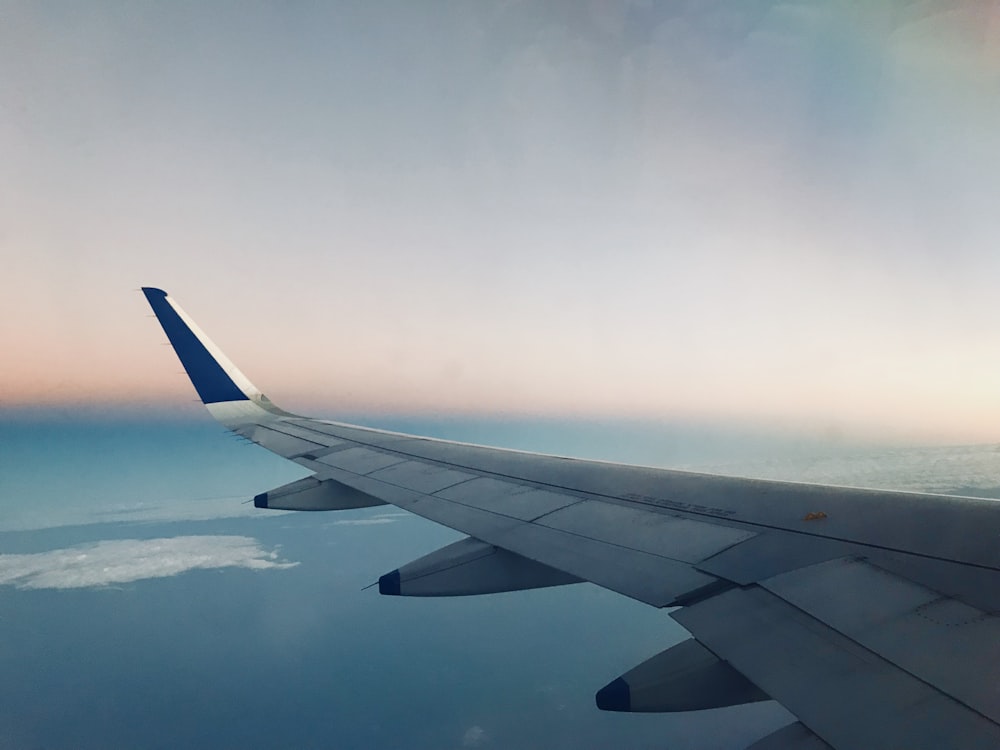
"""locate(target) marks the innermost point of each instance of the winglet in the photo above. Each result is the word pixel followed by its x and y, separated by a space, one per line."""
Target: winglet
pixel 214 377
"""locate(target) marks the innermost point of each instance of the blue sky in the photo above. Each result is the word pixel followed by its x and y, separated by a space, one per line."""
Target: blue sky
pixel 776 213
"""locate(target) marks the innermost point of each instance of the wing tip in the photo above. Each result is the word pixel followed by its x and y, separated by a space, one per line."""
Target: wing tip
pixel 213 376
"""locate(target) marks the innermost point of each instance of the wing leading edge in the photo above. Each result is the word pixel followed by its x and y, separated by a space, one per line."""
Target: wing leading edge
pixel 868 614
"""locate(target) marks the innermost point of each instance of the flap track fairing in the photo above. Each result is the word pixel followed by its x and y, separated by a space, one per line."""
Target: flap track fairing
pixel 685 677
pixel 315 494
pixel 468 567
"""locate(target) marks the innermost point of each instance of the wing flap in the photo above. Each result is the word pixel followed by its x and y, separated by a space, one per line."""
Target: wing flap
pixel 511 499
pixel 657 533
pixel 793 737
pixel 360 460
pixel 945 642
pixel 422 476
pixel 979 587
pixel 844 693
pixel 772 552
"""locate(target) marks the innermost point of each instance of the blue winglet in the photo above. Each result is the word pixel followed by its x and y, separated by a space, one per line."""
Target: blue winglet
pixel 207 375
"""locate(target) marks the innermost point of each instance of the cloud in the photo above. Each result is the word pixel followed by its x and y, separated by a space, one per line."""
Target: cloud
pixel 966 470
pixel 475 736
pixel 380 518
pixel 111 562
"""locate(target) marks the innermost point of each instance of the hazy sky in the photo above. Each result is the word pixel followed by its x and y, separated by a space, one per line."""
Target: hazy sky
pixel 777 211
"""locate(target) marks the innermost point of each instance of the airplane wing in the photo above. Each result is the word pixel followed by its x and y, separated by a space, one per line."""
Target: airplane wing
pixel 870 615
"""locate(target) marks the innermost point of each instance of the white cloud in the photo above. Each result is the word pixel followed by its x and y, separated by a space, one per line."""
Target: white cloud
pixel 373 520
pixel 125 560
pixel 475 736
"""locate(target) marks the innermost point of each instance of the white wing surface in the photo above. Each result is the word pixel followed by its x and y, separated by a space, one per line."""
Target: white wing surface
pixel 870 615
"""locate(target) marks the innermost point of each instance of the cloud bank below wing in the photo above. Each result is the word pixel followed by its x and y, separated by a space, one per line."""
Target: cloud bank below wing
pixel 121 561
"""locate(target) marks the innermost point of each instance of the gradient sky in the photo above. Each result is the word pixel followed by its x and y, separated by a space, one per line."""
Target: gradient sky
pixel 779 212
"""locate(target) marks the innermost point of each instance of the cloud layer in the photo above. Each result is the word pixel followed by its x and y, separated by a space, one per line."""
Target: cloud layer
pixel 111 562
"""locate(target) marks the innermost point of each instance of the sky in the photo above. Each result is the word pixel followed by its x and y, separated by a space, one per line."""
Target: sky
pixel 744 237
pixel 755 212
